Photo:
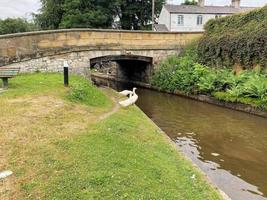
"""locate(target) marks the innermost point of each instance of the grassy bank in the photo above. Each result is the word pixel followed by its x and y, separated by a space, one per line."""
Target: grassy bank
pixel 186 75
pixel 55 142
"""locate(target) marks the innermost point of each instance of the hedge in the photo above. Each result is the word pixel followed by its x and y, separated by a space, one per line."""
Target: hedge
pixel 238 39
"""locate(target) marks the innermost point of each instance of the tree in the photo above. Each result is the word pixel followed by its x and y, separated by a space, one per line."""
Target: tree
pixel 136 14
pixel 125 14
pixel 190 2
pixel 87 14
pixel 51 14
pixel 16 25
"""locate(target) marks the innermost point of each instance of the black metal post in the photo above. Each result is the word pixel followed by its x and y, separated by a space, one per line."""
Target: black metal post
pixel 5 83
pixel 66 76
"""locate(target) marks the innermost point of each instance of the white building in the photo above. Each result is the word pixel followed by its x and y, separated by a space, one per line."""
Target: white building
pixel 191 18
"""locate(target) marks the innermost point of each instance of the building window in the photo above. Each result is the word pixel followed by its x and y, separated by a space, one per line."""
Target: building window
pixel 180 20
pixel 199 20
pixel 217 16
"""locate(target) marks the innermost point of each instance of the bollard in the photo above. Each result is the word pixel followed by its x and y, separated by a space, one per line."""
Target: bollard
pixel 66 74
pixel 5 83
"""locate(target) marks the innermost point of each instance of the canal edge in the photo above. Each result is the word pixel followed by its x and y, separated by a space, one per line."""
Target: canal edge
pixel 205 176
pixel 240 107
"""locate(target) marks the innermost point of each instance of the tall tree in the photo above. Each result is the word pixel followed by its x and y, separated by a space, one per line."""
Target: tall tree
pixel 87 14
pixel 125 14
pixel 136 14
pixel 51 14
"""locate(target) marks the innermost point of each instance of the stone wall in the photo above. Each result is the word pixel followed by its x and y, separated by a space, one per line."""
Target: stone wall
pixel 46 50
pixel 79 62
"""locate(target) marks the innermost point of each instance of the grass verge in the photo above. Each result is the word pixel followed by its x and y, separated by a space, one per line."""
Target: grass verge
pixel 58 148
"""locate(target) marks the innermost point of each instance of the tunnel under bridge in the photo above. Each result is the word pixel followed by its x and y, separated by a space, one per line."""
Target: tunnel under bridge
pixel 131 68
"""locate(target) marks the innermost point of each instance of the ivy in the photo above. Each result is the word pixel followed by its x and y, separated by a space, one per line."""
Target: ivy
pixel 239 39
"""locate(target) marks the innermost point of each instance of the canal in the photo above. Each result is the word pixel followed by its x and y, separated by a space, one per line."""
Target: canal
pixel 229 146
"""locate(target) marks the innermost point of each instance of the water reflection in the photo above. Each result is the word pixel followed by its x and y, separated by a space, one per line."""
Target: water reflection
pixel 229 146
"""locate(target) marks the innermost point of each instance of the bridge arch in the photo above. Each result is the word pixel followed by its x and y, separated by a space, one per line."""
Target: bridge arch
pixel 129 67
pixel 47 50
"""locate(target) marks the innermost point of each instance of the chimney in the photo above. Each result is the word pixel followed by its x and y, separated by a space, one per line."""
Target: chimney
pixel 201 3
pixel 236 3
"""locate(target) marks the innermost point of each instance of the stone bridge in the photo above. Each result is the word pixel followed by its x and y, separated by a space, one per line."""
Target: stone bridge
pixel 134 53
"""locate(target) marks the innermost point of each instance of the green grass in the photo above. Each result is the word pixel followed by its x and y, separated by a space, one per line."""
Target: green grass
pixel 125 157
pixel 59 149
pixel 225 96
pixel 81 90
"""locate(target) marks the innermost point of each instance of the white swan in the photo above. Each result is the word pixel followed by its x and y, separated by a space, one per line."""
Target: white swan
pixel 126 92
pixel 131 100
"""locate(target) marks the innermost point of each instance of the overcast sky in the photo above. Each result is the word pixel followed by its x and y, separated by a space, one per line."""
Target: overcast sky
pixel 18 8
pixel 24 8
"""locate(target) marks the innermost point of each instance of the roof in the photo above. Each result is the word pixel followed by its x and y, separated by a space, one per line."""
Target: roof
pixel 206 9
pixel 160 27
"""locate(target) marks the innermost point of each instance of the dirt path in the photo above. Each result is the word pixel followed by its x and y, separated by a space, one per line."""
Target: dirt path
pixel 115 108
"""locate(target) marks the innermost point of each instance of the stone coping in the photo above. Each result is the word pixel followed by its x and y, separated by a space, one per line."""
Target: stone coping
pixel 90 30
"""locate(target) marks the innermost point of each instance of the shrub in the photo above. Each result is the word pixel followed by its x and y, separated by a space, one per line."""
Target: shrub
pixel 16 25
pixel 174 73
pixel 186 76
pixel 256 86
pixel 206 84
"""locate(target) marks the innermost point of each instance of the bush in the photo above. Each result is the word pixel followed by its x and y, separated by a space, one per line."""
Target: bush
pixel 17 25
pixel 250 84
pixel 175 74
pixel 239 39
pixel 206 84
pixel 184 75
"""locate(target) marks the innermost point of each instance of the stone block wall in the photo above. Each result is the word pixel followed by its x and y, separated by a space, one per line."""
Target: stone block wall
pixel 46 51
pixel 79 62
pixel 26 46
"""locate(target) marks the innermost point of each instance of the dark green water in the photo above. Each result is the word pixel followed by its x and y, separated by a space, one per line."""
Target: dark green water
pixel 229 146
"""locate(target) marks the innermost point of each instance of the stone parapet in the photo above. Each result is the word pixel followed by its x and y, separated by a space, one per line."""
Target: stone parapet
pixel 26 46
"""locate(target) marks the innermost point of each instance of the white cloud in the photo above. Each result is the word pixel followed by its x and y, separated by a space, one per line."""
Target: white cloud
pixel 18 8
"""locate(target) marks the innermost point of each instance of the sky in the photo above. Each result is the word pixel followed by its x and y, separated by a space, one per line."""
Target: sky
pixel 24 8
pixel 18 8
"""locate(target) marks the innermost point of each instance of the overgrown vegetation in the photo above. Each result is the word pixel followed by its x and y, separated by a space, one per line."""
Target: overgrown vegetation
pixel 60 149
pixel 238 39
pixel 186 75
